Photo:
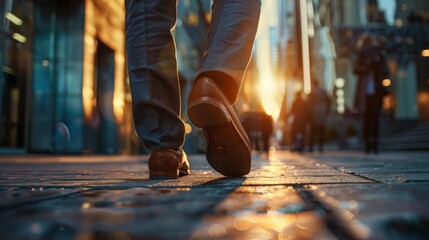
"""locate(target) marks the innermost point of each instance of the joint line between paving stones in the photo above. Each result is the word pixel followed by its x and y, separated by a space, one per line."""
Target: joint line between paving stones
pixel 18 205
pixel 358 175
pixel 333 223
pixel 343 170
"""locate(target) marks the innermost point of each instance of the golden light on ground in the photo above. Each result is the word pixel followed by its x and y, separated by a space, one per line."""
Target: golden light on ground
pixel 242 224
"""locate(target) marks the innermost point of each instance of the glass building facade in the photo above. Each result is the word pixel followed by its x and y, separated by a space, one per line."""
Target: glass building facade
pixel 63 81
pixel 64 85
pixel 16 61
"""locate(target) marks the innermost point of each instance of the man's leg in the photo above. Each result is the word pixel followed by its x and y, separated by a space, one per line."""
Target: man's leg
pixel 154 84
pixel 153 73
pixel 216 87
pixel 367 121
pixel 375 121
pixel 229 43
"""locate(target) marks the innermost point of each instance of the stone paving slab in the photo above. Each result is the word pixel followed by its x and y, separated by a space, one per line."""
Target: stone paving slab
pixel 394 211
pixel 386 167
pixel 398 177
pixel 260 177
pixel 196 180
pixel 133 173
pixel 120 202
pixel 196 213
pixel 335 195
pixel 13 197
pixel 103 214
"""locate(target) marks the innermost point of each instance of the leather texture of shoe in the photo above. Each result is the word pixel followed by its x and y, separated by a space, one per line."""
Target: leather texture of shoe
pixel 168 163
pixel 228 146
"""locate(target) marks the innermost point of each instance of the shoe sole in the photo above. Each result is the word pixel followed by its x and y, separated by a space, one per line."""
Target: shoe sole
pixel 227 151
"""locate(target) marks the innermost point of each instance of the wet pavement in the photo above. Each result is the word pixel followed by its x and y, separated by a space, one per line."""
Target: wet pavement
pixel 335 195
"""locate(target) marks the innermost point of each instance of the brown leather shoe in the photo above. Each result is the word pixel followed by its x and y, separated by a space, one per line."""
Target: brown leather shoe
pixel 228 150
pixel 168 163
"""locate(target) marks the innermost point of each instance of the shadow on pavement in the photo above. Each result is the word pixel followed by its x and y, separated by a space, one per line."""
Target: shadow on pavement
pixel 132 213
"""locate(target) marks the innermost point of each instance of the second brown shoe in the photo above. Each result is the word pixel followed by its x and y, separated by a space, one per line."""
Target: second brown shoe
pixel 228 150
pixel 168 163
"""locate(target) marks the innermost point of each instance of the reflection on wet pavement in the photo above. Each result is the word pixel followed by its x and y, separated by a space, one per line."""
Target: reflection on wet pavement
pixel 264 212
pixel 286 196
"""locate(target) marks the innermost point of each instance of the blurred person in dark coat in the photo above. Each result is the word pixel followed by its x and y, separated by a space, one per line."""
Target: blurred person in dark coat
pixel 319 108
pixel 300 116
pixel 259 127
pixel 370 68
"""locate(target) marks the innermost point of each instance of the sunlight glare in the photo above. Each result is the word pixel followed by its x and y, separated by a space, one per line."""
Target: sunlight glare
pixel 271 89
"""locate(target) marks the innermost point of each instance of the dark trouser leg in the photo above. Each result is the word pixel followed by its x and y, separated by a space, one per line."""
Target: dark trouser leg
pixel 370 123
pixel 375 123
pixel 153 72
pixel 229 43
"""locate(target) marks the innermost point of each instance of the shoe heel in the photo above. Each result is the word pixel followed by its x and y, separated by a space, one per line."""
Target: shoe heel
pixel 163 174
pixel 207 111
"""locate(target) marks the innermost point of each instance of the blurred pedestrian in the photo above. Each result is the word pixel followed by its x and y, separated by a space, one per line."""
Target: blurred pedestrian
pixel 370 68
pixel 299 112
pixel 155 89
pixel 259 127
pixel 267 130
pixel 319 108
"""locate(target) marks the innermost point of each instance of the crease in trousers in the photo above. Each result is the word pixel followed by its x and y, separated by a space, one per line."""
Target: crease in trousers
pixel 152 63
